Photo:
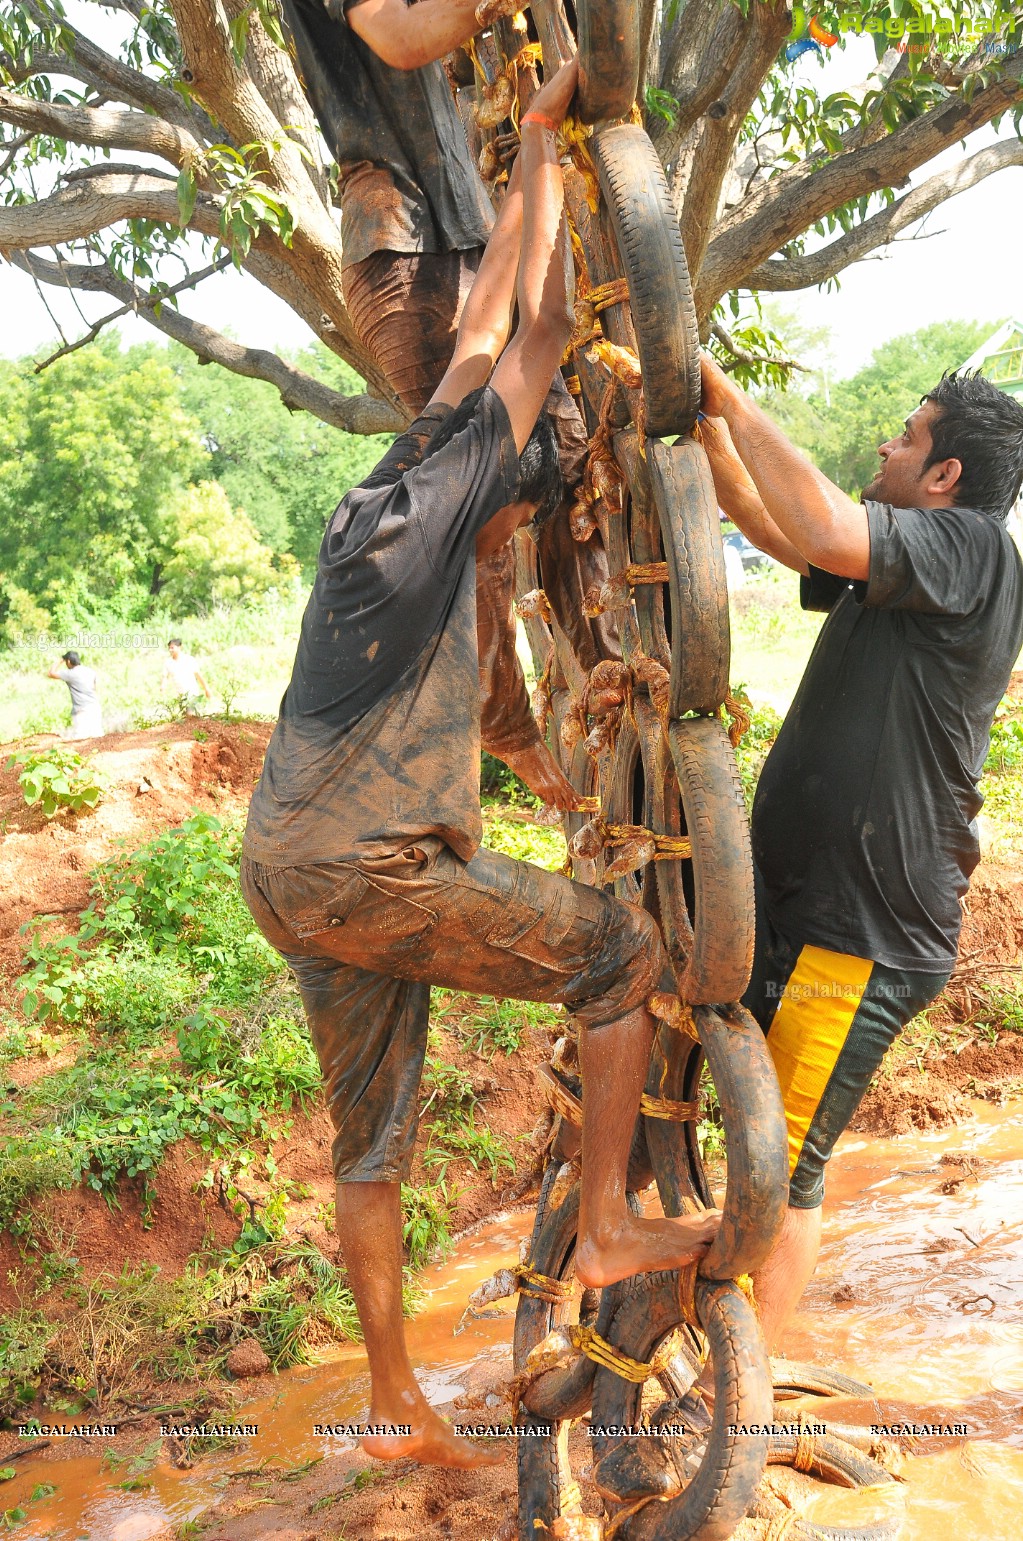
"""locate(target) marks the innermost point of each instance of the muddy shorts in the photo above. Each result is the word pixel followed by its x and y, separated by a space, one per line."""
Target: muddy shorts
pixel 829 1019
pixel 366 941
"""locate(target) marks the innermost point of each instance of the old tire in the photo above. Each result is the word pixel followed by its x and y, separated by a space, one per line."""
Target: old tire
pixel 559 1395
pixel 833 1461
pixel 608 58
pixel 706 902
pixel 720 1491
pixel 654 263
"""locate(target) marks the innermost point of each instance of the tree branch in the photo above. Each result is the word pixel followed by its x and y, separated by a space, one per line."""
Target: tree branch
pixel 742 355
pixel 882 228
pixel 298 391
pixel 114 128
pixel 88 205
pixel 189 282
pixel 765 28
pixel 781 209
pixel 698 58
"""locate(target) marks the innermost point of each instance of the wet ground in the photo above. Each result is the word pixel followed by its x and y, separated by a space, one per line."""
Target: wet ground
pixel 918 1294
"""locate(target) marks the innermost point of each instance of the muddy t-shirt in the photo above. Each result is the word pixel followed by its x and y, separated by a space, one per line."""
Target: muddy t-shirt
pixel 863 823
pixel 378 740
pixel 407 180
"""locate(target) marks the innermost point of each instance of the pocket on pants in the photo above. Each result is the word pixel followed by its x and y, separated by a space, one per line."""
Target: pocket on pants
pixel 313 899
pixel 535 913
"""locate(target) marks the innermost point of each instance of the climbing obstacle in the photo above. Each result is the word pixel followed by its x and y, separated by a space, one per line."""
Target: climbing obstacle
pixel 627 618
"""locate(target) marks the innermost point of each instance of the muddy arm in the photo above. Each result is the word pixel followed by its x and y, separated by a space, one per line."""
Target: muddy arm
pixel 507 725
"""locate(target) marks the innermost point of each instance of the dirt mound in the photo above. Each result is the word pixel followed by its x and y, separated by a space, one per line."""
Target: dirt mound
pixel 152 779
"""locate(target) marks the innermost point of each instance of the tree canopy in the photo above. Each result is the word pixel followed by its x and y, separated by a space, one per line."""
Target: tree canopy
pixel 136 170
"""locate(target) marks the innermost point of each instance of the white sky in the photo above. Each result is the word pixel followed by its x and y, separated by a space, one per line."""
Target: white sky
pixel 967 268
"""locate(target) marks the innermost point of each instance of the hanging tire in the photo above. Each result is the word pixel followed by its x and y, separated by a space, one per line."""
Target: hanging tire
pixel 608 58
pixel 706 901
pixel 560 1394
pixel 756 1141
pixel 717 1471
pixel 687 505
pixel 654 263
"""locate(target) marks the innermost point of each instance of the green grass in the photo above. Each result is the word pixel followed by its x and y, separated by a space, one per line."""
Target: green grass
pixel 771 637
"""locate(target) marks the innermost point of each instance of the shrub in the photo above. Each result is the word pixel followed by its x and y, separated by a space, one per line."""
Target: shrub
pixel 56 779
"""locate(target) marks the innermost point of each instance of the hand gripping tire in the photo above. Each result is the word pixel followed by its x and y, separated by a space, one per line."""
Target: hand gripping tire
pixel 560 1394
pixel 719 1493
pixel 706 902
pixel 608 58
pixel 660 292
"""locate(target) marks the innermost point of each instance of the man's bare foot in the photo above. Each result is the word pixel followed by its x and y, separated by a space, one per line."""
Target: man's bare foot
pixel 537 767
pixel 644 1246
pixel 431 1441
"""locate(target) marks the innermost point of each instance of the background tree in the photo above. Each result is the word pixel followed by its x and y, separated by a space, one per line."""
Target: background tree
pixel 841 424
pixel 137 172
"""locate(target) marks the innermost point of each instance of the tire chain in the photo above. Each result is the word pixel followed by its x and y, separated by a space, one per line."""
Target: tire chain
pixel 646 738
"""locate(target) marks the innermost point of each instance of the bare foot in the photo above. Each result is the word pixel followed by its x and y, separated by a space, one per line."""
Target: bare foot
pixel 431 1440
pixel 540 771
pixel 644 1246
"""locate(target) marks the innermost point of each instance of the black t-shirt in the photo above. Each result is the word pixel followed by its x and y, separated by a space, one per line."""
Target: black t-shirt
pixel 407 179
pixel 863 823
pixel 378 739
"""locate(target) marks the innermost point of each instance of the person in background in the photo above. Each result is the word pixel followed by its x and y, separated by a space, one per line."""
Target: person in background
pixel 86 711
pixel 181 673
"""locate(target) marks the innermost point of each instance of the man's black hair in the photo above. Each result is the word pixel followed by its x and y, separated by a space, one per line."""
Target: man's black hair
pixel 172 640
pixel 540 479
pixel 71 657
pixel 982 428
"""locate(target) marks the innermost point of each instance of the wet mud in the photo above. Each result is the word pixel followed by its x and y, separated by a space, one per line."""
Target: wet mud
pixel 918 1294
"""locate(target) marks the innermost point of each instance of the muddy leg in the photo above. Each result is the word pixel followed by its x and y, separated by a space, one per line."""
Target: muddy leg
pixel 781 1280
pixel 613 1244
pixel 369 1226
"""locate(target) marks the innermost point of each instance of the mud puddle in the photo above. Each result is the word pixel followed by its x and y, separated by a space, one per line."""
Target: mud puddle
pixel 918 1293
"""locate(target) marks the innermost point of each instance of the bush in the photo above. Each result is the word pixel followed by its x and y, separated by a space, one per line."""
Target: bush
pixel 55 779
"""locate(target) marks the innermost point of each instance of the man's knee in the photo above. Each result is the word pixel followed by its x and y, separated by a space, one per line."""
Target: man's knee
pixel 635 964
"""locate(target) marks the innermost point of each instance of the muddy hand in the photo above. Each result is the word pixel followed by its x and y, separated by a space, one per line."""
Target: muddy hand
pixel 555 95
pixel 636 1245
pixel 537 767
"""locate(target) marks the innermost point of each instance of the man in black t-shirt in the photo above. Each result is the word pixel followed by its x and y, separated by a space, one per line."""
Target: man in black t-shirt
pixel 415 218
pixel 362 861
pixel 863 824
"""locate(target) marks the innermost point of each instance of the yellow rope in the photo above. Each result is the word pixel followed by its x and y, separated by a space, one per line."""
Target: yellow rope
pixel 614 292
pixel 740 719
pixel 782 1527
pixel 664 1107
pixel 806 1447
pixel 745 1284
pixel 603 1353
pixel 687 1293
pixel 570 1497
pixel 573 385
pixel 541 1286
pixel 677 1014
pixel 616 1524
pixel 534 603
pixel 612 595
pixel 622 363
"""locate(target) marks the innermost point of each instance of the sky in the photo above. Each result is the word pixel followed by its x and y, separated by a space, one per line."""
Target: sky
pixel 967 267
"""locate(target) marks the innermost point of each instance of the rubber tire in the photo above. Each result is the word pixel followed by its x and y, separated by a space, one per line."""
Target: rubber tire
pixel 654 263
pixel 635 749
pixel 720 1494
pixel 756 1141
pixel 837 1462
pixel 683 492
pixel 707 903
pixel 609 47
pixel 542 1458
pixel 815 1380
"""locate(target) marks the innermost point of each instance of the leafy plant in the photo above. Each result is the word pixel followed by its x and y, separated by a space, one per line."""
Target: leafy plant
pixel 56 779
pixel 427 1212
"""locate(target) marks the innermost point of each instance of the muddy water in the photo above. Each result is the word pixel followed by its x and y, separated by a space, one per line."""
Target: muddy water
pixel 929 1285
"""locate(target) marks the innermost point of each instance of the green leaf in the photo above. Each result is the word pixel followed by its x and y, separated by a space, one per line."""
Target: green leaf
pixel 188 190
